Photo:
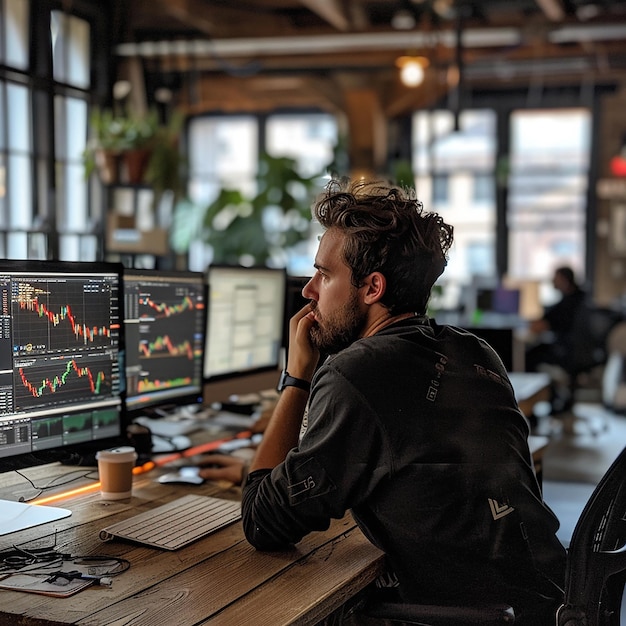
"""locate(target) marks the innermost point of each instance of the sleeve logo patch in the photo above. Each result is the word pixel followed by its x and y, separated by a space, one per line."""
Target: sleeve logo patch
pixel 499 511
pixel 297 489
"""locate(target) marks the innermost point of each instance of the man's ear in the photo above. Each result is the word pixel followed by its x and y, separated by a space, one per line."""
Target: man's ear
pixel 375 286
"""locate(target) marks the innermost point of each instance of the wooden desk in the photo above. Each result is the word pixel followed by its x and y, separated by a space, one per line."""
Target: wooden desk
pixel 218 580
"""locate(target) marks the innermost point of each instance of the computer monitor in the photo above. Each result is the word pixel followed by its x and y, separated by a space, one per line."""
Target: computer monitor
pixel 60 346
pixel 246 309
pixel 165 319
pixel 498 300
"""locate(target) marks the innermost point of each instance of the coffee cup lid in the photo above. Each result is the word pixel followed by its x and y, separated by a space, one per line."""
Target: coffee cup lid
pixel 122 454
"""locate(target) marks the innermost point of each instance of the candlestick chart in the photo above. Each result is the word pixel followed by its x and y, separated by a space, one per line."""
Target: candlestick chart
pixel 59 316
pixel 167 348
pixel 164 334
pixel 61 380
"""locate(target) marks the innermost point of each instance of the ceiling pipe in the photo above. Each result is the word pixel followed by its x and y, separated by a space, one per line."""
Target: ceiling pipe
pixel 354 42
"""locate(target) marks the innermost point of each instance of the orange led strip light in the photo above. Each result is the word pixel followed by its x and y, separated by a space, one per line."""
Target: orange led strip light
pixel 146 467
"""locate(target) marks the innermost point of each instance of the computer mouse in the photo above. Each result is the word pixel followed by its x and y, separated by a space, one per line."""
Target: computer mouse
pixel 185 475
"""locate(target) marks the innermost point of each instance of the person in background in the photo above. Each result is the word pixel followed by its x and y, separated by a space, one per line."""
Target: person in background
pixel 410 425
pixel 557 320
pixel 553 333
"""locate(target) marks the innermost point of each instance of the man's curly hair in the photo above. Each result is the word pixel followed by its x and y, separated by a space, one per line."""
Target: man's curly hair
pixel 387 231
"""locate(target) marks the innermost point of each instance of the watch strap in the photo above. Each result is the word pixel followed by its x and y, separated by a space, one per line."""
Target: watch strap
pixel 286 380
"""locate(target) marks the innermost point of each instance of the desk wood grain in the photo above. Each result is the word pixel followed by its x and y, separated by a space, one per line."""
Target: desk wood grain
pixel 220 579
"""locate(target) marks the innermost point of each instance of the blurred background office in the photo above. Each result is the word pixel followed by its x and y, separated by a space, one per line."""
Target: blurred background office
pixel 506 117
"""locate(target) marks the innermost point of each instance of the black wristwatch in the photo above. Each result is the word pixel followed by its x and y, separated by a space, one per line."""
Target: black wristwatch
pixel 286 380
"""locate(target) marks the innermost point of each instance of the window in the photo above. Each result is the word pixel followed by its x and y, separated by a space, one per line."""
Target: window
pixel 224 151
pixel 306 137
pixel 440 191
pixel 70 62
pixel 483 189
pixel 547 173
pixel 43 191
pixel 547 191
pixel 15 33
pixel 454 173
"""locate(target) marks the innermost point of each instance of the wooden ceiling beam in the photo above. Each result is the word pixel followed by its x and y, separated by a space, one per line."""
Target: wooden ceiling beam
pixel 330 11
pixel 214 21
pixel 552 9
pixel 191 13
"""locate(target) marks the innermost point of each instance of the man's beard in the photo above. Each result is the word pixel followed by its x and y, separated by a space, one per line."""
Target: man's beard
pixel 339 329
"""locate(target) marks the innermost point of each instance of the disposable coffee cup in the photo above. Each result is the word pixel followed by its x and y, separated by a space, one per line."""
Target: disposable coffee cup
pixel 115 468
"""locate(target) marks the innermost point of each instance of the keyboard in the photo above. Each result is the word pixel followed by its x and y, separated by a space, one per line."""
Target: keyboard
pixel 176 524
pixel 170 426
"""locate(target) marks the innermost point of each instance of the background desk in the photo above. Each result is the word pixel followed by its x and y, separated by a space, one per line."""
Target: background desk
pixel 220 579
pixel 530 388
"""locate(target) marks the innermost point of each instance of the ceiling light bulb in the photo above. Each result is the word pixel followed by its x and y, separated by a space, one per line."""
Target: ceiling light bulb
pixel 412 70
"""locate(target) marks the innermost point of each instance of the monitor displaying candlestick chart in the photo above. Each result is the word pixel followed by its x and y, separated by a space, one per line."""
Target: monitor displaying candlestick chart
pixel 164 328
pixel 60 346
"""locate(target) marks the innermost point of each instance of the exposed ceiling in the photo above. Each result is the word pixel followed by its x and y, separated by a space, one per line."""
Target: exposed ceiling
pixel 238 55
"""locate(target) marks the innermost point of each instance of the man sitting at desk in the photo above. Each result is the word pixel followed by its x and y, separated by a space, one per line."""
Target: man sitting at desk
pixel 410 425
pixel 557 321
pixel 556 335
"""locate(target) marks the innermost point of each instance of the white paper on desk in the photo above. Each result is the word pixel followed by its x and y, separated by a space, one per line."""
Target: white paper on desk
pixel 16 516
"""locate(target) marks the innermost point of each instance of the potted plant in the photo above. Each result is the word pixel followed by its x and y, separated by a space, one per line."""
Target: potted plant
pixel 164 169
pixel 257 229
pixel 120 142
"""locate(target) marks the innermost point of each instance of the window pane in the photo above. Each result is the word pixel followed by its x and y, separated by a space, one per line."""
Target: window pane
pixel 223 152
pixel 3 134
pixel 20 192
pixel 75 200
pixel 448 164
pixel 19 130
pixel 483 188
pixel 307 138
pixel 78 58
pixel 76 128
pixel 70 49
pixel 16 33
pixel 69 248
pixel 78 248
pixel 4 217
pixel 547 191
pixel 440 190
pixel 70 133
pixel 437 146
pixel 17 246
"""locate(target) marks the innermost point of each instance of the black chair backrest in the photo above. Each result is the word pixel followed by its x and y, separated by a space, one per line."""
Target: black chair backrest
pixel 597 550
pixel 588 337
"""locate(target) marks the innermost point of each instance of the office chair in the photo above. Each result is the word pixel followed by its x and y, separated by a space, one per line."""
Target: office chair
pixel 596 559
pixel 594 578
pixel 587 351
pixel 428 615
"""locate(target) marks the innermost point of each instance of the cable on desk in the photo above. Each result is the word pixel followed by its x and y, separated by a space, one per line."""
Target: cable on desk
pixel 150 465
pixel 48 562
pixel 52 483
